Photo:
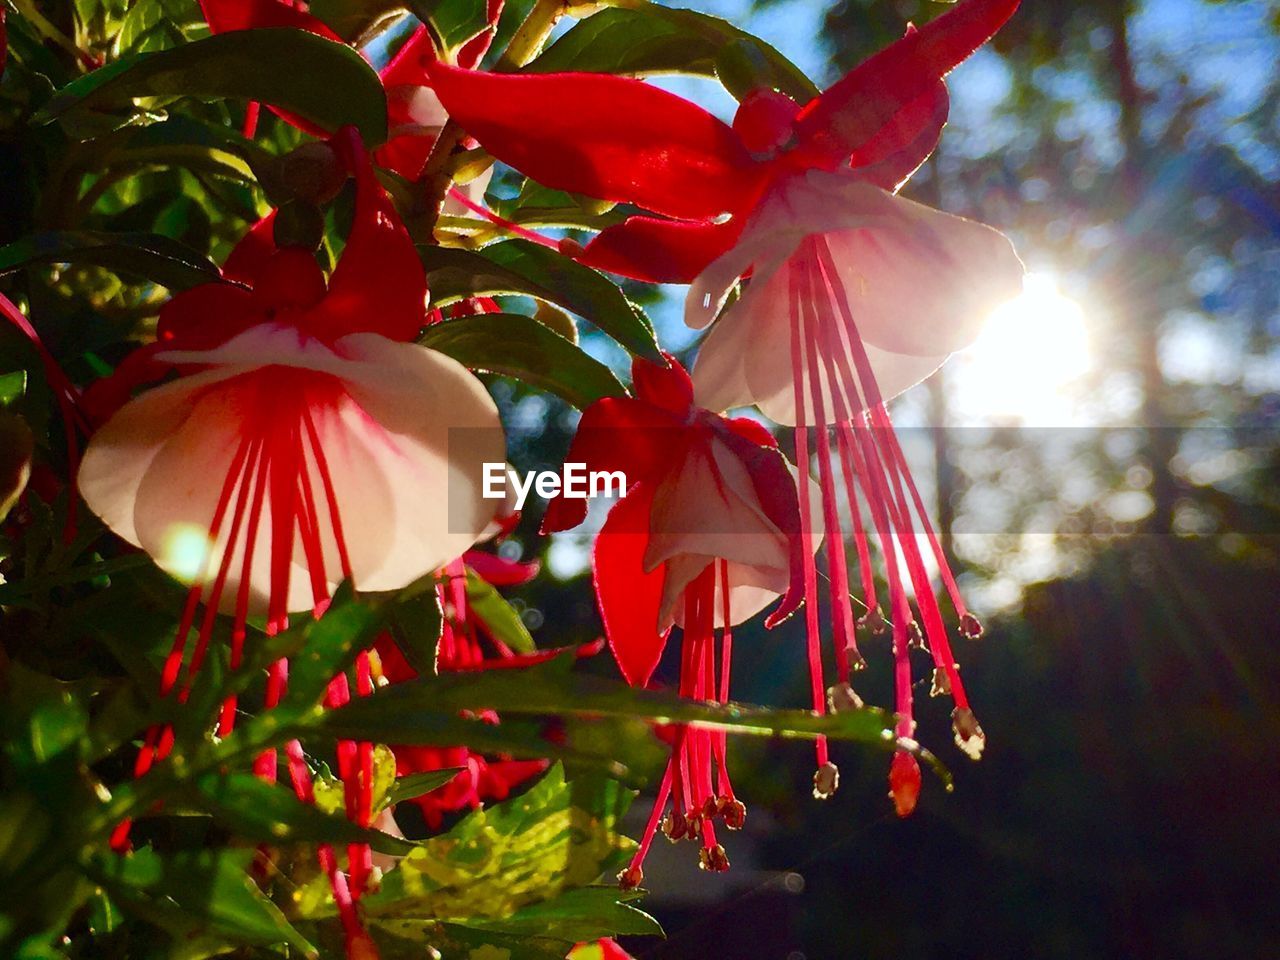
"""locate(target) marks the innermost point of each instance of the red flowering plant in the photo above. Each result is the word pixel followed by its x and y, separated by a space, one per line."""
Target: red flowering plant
pixel 262 695
pixel 851 293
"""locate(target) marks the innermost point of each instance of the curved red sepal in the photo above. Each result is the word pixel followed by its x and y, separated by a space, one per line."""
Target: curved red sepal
pixel 609 137
pixel 847 116
pixel 890 157
pixel 498 571
pixel 252 252
pixel 629 598
pixel 617 433
pixel 378 285
pixel 667 387
pixel 205 316
pixel 226 15
pixel 660 251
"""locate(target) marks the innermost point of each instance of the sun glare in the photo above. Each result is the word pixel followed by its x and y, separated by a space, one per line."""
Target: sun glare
pixel 1030 355
pixel 185 551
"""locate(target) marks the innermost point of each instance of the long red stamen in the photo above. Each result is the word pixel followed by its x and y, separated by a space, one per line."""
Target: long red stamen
pixel 817 683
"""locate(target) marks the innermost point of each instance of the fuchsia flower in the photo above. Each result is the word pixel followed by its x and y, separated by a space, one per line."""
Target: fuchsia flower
pixel 706 536
pixel 460 648
pixel 304 441
pixel 852 293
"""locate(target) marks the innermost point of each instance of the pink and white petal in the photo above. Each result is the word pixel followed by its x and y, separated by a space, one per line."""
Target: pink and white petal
pixel 430 426
pixel 122 450
pixel 757 324
pixel 925 282
pixel 708 509
pixel 177 499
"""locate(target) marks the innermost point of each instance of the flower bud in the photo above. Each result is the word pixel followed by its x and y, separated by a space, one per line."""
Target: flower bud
pixel 970 627
pixel 630 878
pixel 674 826
pixel 312 173
pixel 904 783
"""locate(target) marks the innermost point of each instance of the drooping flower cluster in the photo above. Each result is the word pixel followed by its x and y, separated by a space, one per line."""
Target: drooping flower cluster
pixel 462 648
pixel 300 433
pixel 706 536
pixel 293 451
pixel 847 294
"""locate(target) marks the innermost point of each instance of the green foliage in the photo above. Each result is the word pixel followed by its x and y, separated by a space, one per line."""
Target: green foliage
pixel 649 39
pixel 521 347
pixel 523 267
pixel 239 65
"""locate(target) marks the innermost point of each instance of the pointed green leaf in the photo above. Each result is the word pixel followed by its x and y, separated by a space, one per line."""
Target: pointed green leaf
pixel 520 266
pixel 644 39
pixel 504 857
pixel 255 809
pixel 419 784
pixel 500 618
pixel 210 887
pixel 146 255
pixel 520 347
pixel 244 65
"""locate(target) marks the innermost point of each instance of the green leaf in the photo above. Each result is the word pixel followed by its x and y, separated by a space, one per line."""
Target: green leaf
pixel 211 887
pixel 521 266
pixel 419 784
pixel 453 22
pixel 500 618
pixel 330 645
pixel 552 689
pixel 146 255
pixel 645 39
pixel 245 65
pixel 520 347
pixel 12 387
pixel 257 810
pixel 416 623
pixel 586 913
pixel 506 856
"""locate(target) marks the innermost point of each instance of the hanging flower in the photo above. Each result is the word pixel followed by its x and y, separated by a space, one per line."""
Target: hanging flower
pixel 623 140
pixel 462 647
pixel 854 293
pixel 304 441
pixel 706 536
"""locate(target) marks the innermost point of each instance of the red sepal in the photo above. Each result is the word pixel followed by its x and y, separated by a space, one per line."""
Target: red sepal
pixel 499 572
pixel 226 15
pixel 668 387
pixel 205 316
pixel 629 598
pixel 846 117
pixel 378 285
pixel 254 249
pixel 891 156
pixel 661 251
pixel 609 137
pixel 617 433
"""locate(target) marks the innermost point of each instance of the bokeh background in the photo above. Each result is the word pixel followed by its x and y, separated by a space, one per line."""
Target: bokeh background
pixel 1105 469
